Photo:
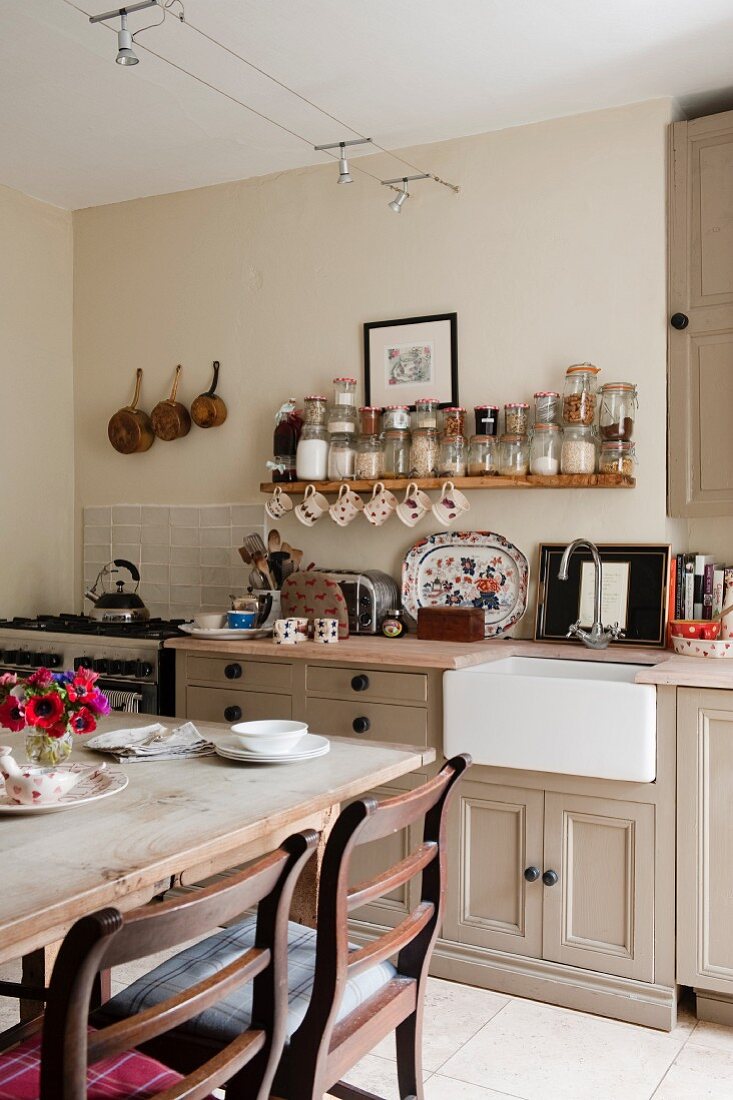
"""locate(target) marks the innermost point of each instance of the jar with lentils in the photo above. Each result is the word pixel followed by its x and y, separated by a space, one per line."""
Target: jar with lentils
pixel 454 419
pixel 396 454
pixel 315 410
pixel 452 456
pixel 369 458
pixel 424 451
pixel 617 458
pixel 578 454
pixel 580 395
pixel 516 418
pixel 396 416
pixel 426 412
pixel 546 407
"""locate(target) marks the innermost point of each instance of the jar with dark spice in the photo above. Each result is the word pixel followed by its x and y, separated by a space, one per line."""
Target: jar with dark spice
pixel 426 412
pixel 516 418
pixel 424 450
pixel 370 417
pixel 482 456
pixel 454 419
pixel 396 416
pixel 487 419
pixel 617 458
pixel 396 454
pixel 547 407
pixel 452 456
pixel 619 403
pixel 315 409
pixel 580 394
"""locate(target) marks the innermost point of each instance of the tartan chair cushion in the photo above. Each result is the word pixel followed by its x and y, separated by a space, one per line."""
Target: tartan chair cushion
pixel 128 1076
pixel 231 1016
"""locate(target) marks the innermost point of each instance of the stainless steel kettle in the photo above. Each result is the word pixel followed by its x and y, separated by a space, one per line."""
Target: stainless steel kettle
pixel 119 606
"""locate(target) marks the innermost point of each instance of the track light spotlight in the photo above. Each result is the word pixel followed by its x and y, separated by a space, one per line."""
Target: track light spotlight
pixel 403 194
pixel 125 53
pixel 401 199
pixel 344 173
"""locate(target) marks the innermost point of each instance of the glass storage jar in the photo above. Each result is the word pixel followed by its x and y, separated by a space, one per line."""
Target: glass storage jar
pixel 396 454
pixel 452 456
pixel 370 417
pixel 454 419
pixel 544 450
pixel 396 416
pixel 424 450
pixel 311 457
pixel 617 458
pixel 426 412
pixel 344 391
pixel 342 420
pixel 369 458
pixel 288 425
pixel 619 403
pixel 547 407
pixel 513 455
pixel 487 419
pixel 578 454
pixel 580 394
pixel 341 457
pixel 482 456
pixel 315 409
pixel 516 418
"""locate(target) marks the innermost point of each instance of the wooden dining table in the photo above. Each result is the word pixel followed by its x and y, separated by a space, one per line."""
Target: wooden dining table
pixel 176 823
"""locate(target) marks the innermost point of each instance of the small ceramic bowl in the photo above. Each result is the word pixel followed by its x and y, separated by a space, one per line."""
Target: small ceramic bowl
pixel 269 736
pixel 241 620
pixel 694 628
pixel 210 620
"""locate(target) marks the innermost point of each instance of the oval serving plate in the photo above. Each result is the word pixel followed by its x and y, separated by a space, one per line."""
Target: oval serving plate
pixel 696 647
pixel 226 631
pixel 94 785
pixel 468 569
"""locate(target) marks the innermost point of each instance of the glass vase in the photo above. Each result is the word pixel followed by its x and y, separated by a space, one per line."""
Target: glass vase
pixel 48 751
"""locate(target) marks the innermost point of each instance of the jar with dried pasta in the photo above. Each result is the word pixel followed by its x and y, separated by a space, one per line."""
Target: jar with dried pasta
pixel 580 394
pixel 617 458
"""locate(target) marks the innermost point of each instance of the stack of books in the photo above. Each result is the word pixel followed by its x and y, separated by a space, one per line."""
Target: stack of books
pixel 699 588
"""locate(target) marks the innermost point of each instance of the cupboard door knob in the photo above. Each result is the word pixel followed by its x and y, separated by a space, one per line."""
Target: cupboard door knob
pixel 550 878
pixel 362 725
pixel 233 671
pixel 532 874
pixel 232 714
pixel 360 682
pixel 679 320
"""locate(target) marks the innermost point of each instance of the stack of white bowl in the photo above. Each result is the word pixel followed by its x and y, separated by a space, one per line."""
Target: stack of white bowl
pixel 270 737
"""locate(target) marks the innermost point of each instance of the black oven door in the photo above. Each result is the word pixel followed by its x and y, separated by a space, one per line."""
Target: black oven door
pixel 132 696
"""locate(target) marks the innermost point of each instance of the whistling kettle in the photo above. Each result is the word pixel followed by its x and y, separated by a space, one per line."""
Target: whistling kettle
pixel 119 606
pixel 29 786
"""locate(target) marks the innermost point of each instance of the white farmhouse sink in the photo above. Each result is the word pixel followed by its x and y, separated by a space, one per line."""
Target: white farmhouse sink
pixel 574 717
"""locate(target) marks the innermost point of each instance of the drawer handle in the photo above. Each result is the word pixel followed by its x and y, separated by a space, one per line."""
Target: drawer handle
pixel 360 682
pixel 361 725
pixel 550 878
pixel 233 671
pixel 532 874
pixel 232 714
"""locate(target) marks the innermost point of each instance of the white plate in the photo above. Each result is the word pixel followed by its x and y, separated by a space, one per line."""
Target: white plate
pixel 226 632
pixel 89 789
pixel 312 746
pixel 694 647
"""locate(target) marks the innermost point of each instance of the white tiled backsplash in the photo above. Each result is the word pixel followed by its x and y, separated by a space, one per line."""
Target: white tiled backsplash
pixel 187 556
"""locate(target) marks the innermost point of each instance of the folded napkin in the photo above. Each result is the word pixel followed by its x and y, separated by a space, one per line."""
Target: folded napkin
pixel 155 742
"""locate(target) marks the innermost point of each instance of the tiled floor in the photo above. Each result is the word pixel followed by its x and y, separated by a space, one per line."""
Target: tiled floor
pixel 479 1045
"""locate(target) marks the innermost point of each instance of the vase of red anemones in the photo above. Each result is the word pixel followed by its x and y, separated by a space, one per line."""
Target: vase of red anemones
pixel 51 707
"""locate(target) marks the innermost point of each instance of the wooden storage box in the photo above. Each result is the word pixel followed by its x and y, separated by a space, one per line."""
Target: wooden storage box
pixel 451 624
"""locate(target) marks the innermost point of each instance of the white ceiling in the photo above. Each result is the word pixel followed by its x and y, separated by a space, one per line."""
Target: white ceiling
pixel 78 130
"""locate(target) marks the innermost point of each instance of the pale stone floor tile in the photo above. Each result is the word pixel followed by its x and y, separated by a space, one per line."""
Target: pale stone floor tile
pixel 445 1088
pixel 453 1014
pixel 698 1073
pixel 717 1036
pixel 377 1075
pixel 540 1052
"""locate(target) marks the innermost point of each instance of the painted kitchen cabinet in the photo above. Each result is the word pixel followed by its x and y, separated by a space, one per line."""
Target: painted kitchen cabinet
pixel 705 849
pixel 701 317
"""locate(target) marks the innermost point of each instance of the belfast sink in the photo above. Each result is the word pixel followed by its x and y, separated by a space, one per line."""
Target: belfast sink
pixel 574 717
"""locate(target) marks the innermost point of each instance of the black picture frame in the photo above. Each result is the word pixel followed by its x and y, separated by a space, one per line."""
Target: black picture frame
pixel 375 394
pixel 558 601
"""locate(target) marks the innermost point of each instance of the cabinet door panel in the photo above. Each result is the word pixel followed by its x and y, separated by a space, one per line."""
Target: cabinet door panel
pixel 494 834
pixel 209 704
pixel 384 722
pixel 600 913
pixel 705 839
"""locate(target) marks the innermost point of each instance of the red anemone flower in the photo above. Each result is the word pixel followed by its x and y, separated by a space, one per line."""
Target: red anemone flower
pixel 43 711
pixel 11 715
pixel 41 677
pixel 83 721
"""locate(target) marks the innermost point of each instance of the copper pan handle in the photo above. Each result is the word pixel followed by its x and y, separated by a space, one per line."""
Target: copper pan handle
pixel 174 391
pixel 138 383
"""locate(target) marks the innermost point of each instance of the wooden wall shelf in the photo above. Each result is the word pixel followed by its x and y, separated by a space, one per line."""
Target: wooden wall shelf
pixel 561 481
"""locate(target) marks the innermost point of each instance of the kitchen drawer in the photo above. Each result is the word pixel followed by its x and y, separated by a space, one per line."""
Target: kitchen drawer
pixel 249 675
pixel 405 725
pixel 352 683
pixel 212 705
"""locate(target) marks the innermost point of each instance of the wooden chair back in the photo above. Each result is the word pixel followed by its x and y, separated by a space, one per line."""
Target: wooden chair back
pixel 109 938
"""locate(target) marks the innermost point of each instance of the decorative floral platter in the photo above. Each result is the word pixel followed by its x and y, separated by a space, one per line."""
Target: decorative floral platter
pixel 697 647
pixel 467 569
pixel 95 783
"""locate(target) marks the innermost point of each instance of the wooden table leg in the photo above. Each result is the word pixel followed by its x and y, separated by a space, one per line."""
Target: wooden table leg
pixel 37 967
pixel 304 908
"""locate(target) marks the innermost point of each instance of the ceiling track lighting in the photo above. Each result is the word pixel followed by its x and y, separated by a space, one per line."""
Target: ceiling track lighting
pixel 125 53
pixel 344 173
pixel 402 193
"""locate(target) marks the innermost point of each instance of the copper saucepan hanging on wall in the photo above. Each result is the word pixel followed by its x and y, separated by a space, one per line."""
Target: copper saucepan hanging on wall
pixel 208 409
pixel 130 430
pixel 171 419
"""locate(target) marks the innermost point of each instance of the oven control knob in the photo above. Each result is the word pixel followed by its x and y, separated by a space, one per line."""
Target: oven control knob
pixel 115 668
pixel 11 656
pixel 52 660
pixel 130 668
pixel 36 659
pixel 83 662
pixel 24 657
pixel 365 618
pixel 144 669
pixel 100 664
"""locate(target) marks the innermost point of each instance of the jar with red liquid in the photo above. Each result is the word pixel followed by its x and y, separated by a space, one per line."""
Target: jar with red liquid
pixel 288 425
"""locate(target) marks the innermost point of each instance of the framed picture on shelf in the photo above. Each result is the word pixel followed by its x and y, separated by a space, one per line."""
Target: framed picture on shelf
pixel 411 358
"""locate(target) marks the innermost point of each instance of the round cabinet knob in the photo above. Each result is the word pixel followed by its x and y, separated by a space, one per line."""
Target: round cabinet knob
pixel 550 878
pixel 360 682
pixel 363 725
pixel 232 714
pixel 233 671
pixel 679 320
pixel 532 874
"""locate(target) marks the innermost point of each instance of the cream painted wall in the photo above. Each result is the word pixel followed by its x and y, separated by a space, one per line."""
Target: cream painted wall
pixel 553 253
pixel 37 435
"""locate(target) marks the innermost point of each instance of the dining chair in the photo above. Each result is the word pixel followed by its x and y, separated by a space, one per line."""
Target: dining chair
pixel 66 1059
pixel 343 999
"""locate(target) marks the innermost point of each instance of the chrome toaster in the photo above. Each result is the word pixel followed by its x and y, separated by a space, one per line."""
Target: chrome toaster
pixel 369 595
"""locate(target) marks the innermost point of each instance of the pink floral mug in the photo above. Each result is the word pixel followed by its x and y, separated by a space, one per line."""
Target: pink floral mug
pixel 381 506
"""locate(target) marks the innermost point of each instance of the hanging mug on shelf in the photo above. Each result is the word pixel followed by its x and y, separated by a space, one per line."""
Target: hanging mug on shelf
pixel 312 506
pixel 381 506
pixel 346 507
pixel 278 504
pixel 452 503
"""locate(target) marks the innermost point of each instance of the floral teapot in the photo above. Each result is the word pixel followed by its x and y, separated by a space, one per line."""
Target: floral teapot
pixel 29 785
